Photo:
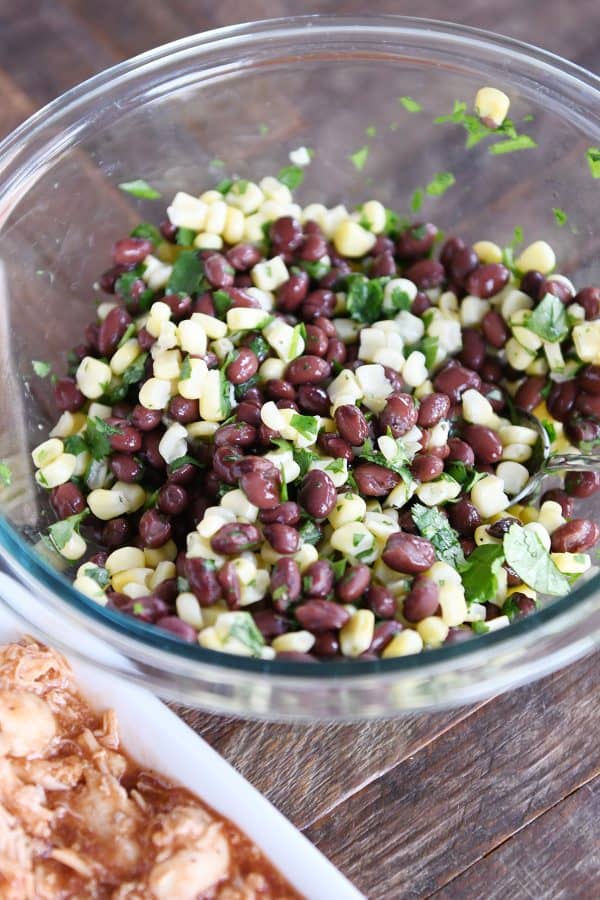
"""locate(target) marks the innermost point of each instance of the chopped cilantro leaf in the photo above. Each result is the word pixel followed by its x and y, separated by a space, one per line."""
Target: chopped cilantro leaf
pixel 409 104
pixel 183 585
pixel 147 230
pixel 225 402
pixel 99 575
pixel 356 539
pixel 399 300
pixel 416 200
pixel 183 461
pixel 5 475
pixel 440 183
pixel 303 458
pixel 140 188
pixel 42 369
pixel 185 237
pixel 480 627
pixel 310 532
pixel 522 142
pixel 549 319
pixel 560 216
pixel 364 297
pixel 186 368
pixel 337 466
pixel 75 444
pixel 187 275
pixel 130 331
pixel 307 426
pixel 429 348
pixel 479 573
pixel 61 532
pixel 222 302
pixel 526 554
pixel 549 429
pixel 370 131
pixel 224 185
pixel 138 608
pixel 339 567
pixel 434 526
pixel 124 285
pixel 359 158
pixel 316 268
pixel 291 176
pixel 97 437
pixel 465 475
pixel 217 163
pixel 593 157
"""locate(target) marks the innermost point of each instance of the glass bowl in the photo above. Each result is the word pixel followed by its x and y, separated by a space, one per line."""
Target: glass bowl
pixel 238 100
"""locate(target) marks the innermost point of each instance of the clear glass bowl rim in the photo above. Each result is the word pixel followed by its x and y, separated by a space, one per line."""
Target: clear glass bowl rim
pixel 63 117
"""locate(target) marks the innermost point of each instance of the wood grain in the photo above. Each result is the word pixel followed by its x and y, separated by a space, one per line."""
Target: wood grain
pixel 425 821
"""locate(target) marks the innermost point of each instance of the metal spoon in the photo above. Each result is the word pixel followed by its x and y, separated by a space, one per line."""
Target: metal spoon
pixel 543 462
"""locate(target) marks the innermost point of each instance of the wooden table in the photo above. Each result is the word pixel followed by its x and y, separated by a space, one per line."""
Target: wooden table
pixel 497 801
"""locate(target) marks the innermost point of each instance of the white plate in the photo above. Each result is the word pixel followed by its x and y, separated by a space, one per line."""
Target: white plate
pixel 155 737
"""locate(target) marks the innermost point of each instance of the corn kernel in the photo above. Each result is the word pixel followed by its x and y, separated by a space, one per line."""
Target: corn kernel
pixel 107 504
pixel 47 452
pixel 187 211
pixel 58 472
pixel 488 252
pixel 357 634
pixel 192 337
pixel 155 393
pixel 491 105
pixel 74 548
pixel 433 631
pixel 85 584
pixel 406 643
pixel 125 558
pixel 154 555
pixel 92 375
pixel 352 240
pixel 235 222
pixel 293 642
pixel 189 610
pixel 373 213
pixel 539 256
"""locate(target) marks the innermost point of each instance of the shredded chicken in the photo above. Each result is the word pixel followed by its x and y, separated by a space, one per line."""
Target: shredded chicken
pixel 79 820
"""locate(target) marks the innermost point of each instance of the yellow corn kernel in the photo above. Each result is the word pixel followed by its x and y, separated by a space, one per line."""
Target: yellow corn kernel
pixel 189 610
pixel 86 585
pixel 488 252
pixel 138 575
pixel 352 539
pixel 187 211
pixel 107 504
pixel 352 240
pixel 125 558
pixel 211 401
pixel 522 589
pixel 91 377
pixel 167 365
pixel 155 393
pixel 306 556
pixel 491 105
pixel 550 516
pixel 134 494
pixel 453 603
pixel 47 452
pixel 488 496
pixel 125 356
pixel 59 471
pixel 269 274
pixel 164 571
pixel 373 212
pixel 68 424
pixel 245 195
pixel 293 642
pixel 571 563
pixel 74 548
pixel 357 634
pixel 216 217
pixel 539 256
pixel 168 551
pixel 235 223
pixel 406 643
pixel 433 631
pixel 191 388
pixel 208 241
pixel 134 590
pixel 481 536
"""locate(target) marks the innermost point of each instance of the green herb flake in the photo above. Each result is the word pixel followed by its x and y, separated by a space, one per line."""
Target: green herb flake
pixel 371 131
pixel 316 268
pixel 480 571
pixel 416 200
pixel 409 104
pixel 291 176
pixel 337 466
pixel 140 188
pixel 399 301
pixel 310 532
pixel 428 346
pixel 138 608
pixel 357 539
pixel 97 437
pixel 521 142
pixel 440 183
pixel 480 627
pixel 183 585
pixel 124 285
pixel 303 458
pixel 130 332
pixel 307 426
pixel 75 444
pixel 61 532
pixel 185 237
pixel 549 320
pixel 148 231
pixel 359 158
pixel 222 302
pixel 467 476
pixel 433 526
pixel 5 475
pixel 339 567
pixel 224 186
pixel 217 163
pixel 280 592
pixel 593 157
pixel 526 554
pixel 263 129
pixel 186 368
pixel 560 216
pixel 41 369
pixel 550 429
pixel 99 575
pixel 187 275
pixel 364 297
pixel 225 400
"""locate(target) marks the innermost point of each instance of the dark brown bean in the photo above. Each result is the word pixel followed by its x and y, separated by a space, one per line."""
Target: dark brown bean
pixel 561 399
pixel 317 494
pixel 557 289
pixel 426 274
pixel 67 500
pixel 247 411
pixel 154 529
pixel 225 461
pixel 321 615
pixel 420 304
pixel 150 453
pixel 67 396
pixel 461 451
pixel 238 434
pixel 128 440
pixel 383 634
pixel 434 407
pixel 116 533
pixel 229 583
pixel 131 251
pixel 317 580
pixel 178 628
pixel 353 583
pixel 270 624
pixel 495 329
pixel 313 248
pixel 351 424
pixel 184 410
pixel 422 600
pixel 243 367
pixel 485 443
pixel 293 292
pixel 487 280
pixel 455 379
pixel 529 394
pixel 374 480
pixel 383 265
pixel 326 644
pixel 108 279
pixel 261 483
pixel 416 240
pixel 112 329
pixel 582 484
pixel 333 445
pixel 286 236
pixel 525 605
pixel 202 579
pixel 313 400
pixel 318 303
pixel 575 536
pixel 589 380
pixel 337 352
pixel 381 600
pixel 472 354
pixel 282 538
pixel 490 371
pixel 235 537
pixel 458 635
pixel 148 608
pixel 468 545
pixel 126 468
pixel 399 415
pixel 512 579
pixel 326 326
pixel 316 341
pixel 588 404
pixel 146 419
pixel 286 583
pixel 464 517
pixel 426 467
pixel 501 527
pixel 408 553
pixel 463 262
pixel 218 271
pixel 450 248
pixel 589 298
pixel 243 256
pixel 308 370
pixel 531 284
pixel 181 305
pixel 172 499
pixel 562 498
pixel 287 513
pixel 277 389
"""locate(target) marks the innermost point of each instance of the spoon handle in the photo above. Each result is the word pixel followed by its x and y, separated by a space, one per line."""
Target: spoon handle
pixel 575 462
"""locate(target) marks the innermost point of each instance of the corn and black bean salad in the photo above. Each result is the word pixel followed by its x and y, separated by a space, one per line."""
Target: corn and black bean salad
pixel 290 432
